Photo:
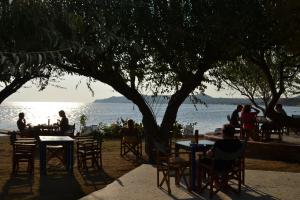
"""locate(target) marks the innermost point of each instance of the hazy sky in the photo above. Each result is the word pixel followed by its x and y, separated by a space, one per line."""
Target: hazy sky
pixel 30 92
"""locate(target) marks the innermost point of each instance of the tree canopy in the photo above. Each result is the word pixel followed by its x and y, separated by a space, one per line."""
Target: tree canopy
pixel 30 42
pixel 159 46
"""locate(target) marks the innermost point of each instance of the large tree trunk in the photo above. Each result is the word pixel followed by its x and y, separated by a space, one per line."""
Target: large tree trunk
pixel 176 101
pixel 151 129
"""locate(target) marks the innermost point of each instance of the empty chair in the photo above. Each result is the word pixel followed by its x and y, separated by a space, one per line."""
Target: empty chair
pixel 89 149
pixel 70 131
pixel 23 152
pixel 171 164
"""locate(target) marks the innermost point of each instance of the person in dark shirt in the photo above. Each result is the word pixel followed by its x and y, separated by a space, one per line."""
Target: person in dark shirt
pixel 227 144
pixel 130 133
pixel 235 119
pixel 21 123
pixel 64 122
pixel 280 110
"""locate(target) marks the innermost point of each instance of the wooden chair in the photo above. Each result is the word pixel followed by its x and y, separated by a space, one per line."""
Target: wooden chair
pixel 296 130
pixel 70 131
pixel 216 179
pixel 269 129
pixel 172 164
pixel 23 151
pixel 131 144
pixel 89 149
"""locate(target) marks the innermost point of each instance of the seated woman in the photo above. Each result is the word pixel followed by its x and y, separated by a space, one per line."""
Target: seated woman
pixel 248 118
pixel 22 126
pixel 64 122
pixel 130 133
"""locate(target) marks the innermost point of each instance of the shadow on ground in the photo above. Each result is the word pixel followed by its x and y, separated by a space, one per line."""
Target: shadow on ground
pixel 18 186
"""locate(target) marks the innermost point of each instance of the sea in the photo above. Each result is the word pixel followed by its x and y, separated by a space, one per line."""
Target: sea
pixel 206 118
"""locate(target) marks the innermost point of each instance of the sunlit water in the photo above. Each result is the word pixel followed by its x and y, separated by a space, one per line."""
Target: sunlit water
pixel 207 118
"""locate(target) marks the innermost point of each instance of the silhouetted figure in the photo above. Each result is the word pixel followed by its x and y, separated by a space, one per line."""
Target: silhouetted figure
pixel 130 133
pixel 64 122
pixel 248 120
pixel 21 123
pixel 23 127
pixel 228 144
pixel 235 118
pixel 280 110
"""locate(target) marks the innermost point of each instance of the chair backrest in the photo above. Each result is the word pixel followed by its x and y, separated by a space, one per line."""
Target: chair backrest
pixel 228 118
pixel 70 131
pixel 221 155
pixel 25 149
pixel 161 149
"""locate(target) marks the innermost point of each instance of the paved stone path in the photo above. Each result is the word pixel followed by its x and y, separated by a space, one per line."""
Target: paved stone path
pixel 140 184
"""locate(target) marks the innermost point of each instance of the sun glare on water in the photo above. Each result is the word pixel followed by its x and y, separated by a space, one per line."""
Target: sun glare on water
pixel 39 112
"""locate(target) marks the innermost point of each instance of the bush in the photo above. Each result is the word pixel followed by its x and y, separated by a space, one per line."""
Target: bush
pixel 113 130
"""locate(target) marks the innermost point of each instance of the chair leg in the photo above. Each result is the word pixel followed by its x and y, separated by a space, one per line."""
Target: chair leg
pixel 157 172
pixel 200 179
pixel 211 186
pixel 239 182
pixel 168 183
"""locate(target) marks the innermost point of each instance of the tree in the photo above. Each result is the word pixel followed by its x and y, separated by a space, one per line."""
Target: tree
pixel 269 65
pixel 249 80
pixel 26 35
pixel 275 46
pixel 162 46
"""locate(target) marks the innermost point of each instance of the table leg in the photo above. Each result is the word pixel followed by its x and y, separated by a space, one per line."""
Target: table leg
pixel 176 150
pixel 43 158
pixel 193 175
pixel 69 157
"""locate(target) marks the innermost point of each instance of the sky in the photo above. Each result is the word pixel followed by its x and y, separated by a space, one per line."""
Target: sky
pixel 69 93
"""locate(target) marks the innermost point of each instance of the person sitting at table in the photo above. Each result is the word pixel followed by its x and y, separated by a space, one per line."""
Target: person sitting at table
pixel 130 133
pixel 248 120
pixel 235 119
pixel 21 123
pixel 280 110
pixel 228 143
pixel 64 122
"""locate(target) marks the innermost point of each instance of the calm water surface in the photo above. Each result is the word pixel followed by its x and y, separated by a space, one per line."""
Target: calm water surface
pixel 207 118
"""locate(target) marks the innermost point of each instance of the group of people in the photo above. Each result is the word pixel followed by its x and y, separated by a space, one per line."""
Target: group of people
pixel 247 119
pixel 24 127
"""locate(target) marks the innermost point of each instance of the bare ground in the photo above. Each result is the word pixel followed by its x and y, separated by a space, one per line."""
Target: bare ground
pixel 57 184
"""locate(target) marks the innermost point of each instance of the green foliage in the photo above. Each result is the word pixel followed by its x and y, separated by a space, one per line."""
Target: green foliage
pixel 82 120
pixel 113 130
pixel 177 129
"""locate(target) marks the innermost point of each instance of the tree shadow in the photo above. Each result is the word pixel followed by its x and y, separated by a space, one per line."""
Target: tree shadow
pixel 59 185
pixel 17 186
pixel 247 193
pixel 132 158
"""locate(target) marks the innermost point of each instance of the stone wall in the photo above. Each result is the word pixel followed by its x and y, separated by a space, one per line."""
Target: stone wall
pixel 279 151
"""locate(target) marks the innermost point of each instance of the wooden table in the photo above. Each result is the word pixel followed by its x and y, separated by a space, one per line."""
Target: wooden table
pixel 68 144
pixel 202 146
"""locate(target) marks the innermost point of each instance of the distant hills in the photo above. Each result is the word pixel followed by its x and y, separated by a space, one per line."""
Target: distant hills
pixel 204 98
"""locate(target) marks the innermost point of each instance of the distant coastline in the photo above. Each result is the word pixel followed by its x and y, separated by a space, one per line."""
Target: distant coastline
pixel 204 98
